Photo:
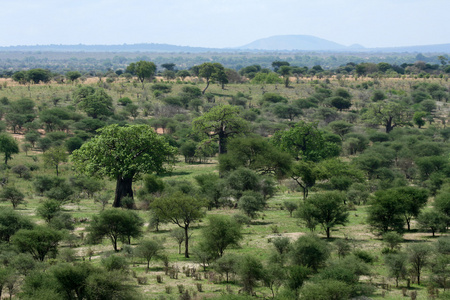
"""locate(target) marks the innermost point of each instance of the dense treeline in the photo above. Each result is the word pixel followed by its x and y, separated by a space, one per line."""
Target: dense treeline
pixel 284 183
pixel 91 63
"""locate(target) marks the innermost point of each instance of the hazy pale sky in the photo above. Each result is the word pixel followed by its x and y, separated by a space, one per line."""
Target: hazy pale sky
pixel 220 23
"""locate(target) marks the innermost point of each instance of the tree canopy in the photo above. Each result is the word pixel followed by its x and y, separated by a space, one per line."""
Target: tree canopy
pixel 123 154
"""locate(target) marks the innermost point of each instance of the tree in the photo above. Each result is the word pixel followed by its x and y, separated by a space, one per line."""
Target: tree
pixel 221 122
pixel 73 75
pixel 388 114
pixel 48 209
pixel 222 232
pixel 418 118
pixel 250 270
pixel 211 71
pixel 169 66
pixel 226 264
pixel 419 255
pixel 434 220
pixel 385 212
pixel 304 141
pixel 290 206
pixel 116 224
pixel 178 236
pixel 328 209
pixel 149 249
pixel 274 276
pixel 305 174
pixel 340 128
pixel 54 156
pixel 340 103
pixel 8 146
pixel 123 154
pixel 309 251
pixel 286 72
pixel 180 209
pixel 255 153
pixel 396 264
pixel 97 104
pixel 38 75
pixel 251 202
pixel 143 70
pixel 13 195
pixel 183 74
pixel 39 242
pixel 412 199
pixel 11 222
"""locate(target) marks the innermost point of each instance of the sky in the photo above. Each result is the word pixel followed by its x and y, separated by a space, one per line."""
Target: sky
pixel 221 24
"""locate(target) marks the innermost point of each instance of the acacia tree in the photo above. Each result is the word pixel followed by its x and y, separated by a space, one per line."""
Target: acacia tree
pixel 143 70
pixel 388 114
pixel 116 224
pixel 212 71
pixel 54 156
pixel 182 210
pixel 328 209
pixel 221 123
pixel 222 232
pixel 123 154
pixel 8 146
pixel 304 141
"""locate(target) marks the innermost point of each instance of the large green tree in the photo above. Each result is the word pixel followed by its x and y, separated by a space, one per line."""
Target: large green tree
pixel 123 154
pixel 221 123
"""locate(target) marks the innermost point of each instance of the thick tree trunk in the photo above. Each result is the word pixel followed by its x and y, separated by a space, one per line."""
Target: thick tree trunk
pixel 222 142
pixel 186 242
pixel 123 189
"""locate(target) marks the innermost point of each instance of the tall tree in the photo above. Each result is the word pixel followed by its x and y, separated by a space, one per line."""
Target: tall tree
pixel 221 123
pixel 123 154
pixel 180 209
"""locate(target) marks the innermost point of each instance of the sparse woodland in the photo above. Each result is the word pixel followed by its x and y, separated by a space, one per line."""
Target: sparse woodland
pixel 154 181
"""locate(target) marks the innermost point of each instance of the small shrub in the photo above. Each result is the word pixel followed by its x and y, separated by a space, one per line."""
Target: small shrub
pixel 159 279
pixel 180 288
pixel 364 256
pixel 199 287
pixel 142 280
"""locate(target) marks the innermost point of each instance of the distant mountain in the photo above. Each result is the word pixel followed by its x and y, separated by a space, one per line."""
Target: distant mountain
pixel 296 42
pixel 278 43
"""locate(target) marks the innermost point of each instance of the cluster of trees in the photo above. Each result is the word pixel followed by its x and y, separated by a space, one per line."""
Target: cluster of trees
pixel 360 145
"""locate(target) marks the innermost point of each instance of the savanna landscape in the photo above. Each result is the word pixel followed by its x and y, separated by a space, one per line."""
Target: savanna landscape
pixel 225 179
